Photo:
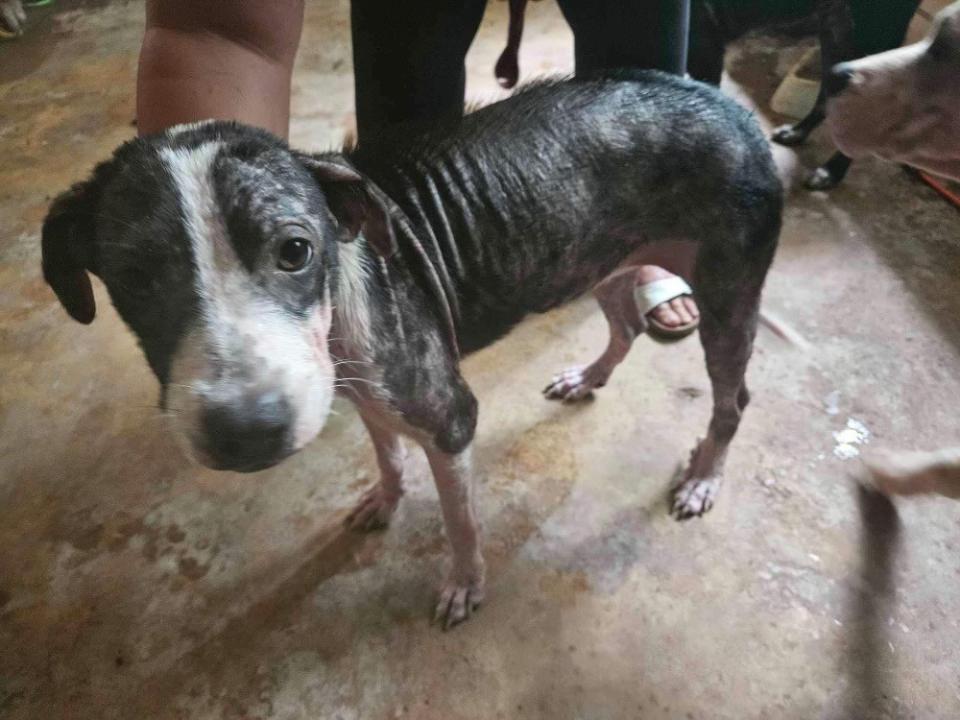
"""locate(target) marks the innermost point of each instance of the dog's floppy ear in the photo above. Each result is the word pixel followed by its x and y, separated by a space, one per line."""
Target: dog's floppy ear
pixel 67 246
pixel 357 204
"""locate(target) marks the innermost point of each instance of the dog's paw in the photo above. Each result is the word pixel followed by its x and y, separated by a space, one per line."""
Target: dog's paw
pixel 571 385
pixel 458 601
pixel 821 179
pixel 694 497
pixel 374 510
pixel 788 135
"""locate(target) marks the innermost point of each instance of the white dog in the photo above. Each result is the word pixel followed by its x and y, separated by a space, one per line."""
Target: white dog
pixel 904 105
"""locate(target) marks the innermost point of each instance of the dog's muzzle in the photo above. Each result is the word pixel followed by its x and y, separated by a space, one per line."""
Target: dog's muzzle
pixel 249 433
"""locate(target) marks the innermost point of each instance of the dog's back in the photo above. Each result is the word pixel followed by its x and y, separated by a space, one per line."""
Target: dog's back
pixel 533 200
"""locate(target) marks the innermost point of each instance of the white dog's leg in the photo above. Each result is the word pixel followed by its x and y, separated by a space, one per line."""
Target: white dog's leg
pixel 377 506
pixel 915 473
pixel 462 591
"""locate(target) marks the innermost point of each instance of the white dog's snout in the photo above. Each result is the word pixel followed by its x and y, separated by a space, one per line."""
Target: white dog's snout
pixel 269 397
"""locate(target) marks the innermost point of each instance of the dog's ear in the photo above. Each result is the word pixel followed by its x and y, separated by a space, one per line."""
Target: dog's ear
pixel 67 247
pixel 357 204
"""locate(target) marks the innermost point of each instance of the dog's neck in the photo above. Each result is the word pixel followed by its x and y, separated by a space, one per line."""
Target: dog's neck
pixel 351 331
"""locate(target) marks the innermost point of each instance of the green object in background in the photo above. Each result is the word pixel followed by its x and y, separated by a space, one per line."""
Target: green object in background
pixel 36 3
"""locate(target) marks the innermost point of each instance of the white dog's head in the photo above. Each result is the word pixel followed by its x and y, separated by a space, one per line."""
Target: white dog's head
pixel 903 105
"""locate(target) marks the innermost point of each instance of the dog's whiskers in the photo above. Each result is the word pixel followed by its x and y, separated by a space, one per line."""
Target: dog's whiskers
pixel 351 362
pixel 340 381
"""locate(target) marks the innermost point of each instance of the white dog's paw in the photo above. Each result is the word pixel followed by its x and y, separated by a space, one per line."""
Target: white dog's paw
pixel 575 383
pixel 694 497
pixel 374 510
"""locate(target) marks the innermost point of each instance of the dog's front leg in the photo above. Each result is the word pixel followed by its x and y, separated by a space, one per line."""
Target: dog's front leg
pixel 377 506
pixel 462 591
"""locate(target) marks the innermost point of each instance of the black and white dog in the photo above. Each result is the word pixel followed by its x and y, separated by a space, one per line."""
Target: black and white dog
pixel 259 280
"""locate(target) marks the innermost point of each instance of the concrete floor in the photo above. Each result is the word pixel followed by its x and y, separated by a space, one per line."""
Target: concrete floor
pixel 133 585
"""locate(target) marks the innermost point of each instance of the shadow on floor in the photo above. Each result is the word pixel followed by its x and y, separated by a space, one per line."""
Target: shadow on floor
pixel 871 677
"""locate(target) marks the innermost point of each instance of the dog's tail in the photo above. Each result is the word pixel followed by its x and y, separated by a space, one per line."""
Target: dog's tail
pixel 783 331
pixel 507 69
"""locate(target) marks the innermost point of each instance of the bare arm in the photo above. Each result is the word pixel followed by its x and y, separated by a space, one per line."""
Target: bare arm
pixel 228 60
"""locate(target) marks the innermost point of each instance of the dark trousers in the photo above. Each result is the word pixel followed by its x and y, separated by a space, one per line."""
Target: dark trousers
pixel 409 56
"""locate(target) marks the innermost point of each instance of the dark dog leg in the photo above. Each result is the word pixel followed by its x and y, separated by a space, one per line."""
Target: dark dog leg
pixel 728 285
pixel 377 506
pixel 797 133
pixel 835 24
pixel 615 295
pixel 836 45
pixel 829 174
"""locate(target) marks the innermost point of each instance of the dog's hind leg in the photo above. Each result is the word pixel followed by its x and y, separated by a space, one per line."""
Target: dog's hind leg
pixel 616 298
pixel 797 133
pixel 728 283
pixel 830 174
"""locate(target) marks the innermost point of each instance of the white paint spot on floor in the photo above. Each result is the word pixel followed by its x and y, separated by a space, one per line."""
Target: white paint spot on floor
pixel 855 433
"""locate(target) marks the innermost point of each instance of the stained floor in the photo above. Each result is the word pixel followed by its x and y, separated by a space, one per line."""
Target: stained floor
pixel 133 585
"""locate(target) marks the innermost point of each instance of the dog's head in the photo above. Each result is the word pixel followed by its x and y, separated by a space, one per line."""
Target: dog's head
pixel 903 105
pixel 218 247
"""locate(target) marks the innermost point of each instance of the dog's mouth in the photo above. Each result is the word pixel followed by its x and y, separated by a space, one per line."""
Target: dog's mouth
pixel 242 464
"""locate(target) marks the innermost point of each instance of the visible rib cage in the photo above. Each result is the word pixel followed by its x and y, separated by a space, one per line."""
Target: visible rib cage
pixel 530 202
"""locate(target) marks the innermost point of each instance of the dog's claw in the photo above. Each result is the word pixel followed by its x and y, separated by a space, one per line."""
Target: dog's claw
pixel 571 385
pixel 373 512
pixel 694 497
pixel 457 603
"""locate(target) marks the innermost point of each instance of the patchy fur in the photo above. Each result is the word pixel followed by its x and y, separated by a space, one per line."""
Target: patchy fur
pixel 423 247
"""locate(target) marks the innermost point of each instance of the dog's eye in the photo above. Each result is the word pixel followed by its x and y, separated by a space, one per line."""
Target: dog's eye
pixel 294 254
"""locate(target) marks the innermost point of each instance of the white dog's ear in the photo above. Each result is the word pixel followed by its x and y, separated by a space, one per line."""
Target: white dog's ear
pixel 67 246
pixel 359 206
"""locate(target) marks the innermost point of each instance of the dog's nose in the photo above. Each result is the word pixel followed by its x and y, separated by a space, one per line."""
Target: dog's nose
pixel 837 78
pixel 248 433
